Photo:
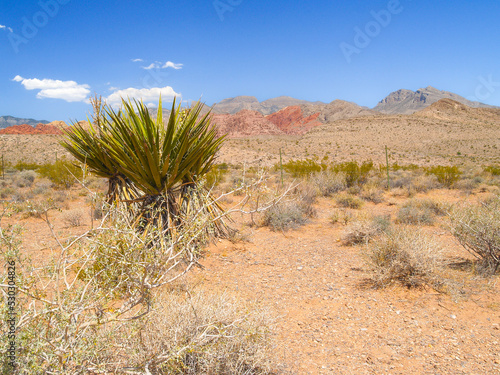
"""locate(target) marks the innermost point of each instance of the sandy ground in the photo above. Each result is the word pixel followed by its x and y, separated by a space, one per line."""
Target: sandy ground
pixel 329 319
pixel 331 322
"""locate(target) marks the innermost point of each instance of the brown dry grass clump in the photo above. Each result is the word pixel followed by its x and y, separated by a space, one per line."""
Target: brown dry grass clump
pixel 406 256
pixel 477 228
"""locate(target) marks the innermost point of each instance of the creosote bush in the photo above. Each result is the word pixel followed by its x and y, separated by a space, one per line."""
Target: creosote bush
pixel 62 173
pixel 445 174
pixel 477 228
pixel 405 256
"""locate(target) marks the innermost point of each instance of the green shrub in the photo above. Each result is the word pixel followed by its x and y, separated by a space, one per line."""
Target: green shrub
pixel 23 166
pixel 216 175
pixel 494 170
pixel 302 168
pixel 445 174
pixel 354 173
pixel 62 173
pixel 409 167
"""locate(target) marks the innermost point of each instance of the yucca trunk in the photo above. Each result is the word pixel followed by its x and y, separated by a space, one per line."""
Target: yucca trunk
pixel 161 212
pixel 197 202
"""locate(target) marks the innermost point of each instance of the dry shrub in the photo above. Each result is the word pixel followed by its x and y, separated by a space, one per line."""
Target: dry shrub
pixel 477 228
pixel 466 185
pixel 285 215
pixel 25 178
pixel 194 333
pixel 73 218
pixel 348 201
pixel 363 231
pixel 406 256
pixel 42 186
pixel 424 183
pixel 372 193
pixel 341 215
pixel 329 183
pixel 420 212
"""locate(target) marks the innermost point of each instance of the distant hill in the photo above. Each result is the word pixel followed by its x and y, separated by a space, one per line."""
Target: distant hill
pixel 234 105
pixel 407 102
pixel 6 121
pixel 337 110
pixel 452 110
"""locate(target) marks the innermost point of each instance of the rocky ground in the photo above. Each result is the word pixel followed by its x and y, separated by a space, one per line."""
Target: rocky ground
pixel 332 322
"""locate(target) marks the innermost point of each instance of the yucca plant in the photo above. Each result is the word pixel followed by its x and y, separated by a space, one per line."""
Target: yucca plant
pixel 165 162
pixel 195 196
pixel 85 144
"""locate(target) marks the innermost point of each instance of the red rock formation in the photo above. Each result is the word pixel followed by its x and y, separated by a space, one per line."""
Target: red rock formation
pixel 291 120
pixel 27 129
pixel 18 129
pixel 244 123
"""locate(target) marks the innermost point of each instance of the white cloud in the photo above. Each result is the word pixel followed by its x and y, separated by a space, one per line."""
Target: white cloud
pixel 6 28
pixel 137 60
pixel 170 64
pixel 160 65
pixel 149 96
pixel 151 66
pixel 69 91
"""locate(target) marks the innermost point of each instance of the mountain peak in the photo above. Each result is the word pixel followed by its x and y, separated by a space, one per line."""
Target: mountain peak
pixel 407 102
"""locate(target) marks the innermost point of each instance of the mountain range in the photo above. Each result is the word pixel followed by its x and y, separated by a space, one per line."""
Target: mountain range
pixel 245 116
pixel 6 121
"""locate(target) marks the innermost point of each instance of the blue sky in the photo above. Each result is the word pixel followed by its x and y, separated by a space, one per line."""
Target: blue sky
pixel 56 53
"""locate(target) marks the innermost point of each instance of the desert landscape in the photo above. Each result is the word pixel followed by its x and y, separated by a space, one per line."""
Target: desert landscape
pixel 340 258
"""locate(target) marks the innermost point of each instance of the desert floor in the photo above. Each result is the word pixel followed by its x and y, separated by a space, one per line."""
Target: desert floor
pixel 329 319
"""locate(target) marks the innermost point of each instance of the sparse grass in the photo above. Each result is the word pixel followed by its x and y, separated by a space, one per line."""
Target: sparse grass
pixel 372 193
pixel 405 256
pixel 342 216
pixel 73 218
